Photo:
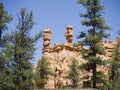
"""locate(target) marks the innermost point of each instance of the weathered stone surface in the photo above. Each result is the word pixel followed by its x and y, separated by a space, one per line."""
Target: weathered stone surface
pixel 69 33
pixel 60 55
pixel 59 62
pixel 46 40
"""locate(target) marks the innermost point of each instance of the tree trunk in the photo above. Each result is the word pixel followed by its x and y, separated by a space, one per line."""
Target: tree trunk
pixel 0 33
pixel 94 75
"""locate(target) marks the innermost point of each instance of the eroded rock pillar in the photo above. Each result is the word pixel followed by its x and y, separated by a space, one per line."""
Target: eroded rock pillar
pixel 69 33
pixel 46 40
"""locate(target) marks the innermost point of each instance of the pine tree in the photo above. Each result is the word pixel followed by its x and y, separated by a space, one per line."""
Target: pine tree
pixel 5 79
pixel 95 32
pixel 73 73
pixel 22 47
pixel 42 72
pixel 115 63
pixel 114 68
pixel 4 19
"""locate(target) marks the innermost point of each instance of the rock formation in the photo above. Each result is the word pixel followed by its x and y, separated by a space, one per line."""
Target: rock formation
pixel 46 39
pixel 60 55
pixel 69 33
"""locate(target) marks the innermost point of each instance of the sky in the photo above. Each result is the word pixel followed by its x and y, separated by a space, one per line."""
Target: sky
pixel 56 14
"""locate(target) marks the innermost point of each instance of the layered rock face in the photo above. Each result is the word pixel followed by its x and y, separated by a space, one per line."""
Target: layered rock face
pixel 60 56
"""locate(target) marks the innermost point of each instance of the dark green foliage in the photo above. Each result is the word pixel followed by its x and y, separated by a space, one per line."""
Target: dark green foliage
pixel 23 50
pixel 4 19
pixel 43 71
pixel 5 72
pixel 16 52
pixel 19 52
pixel 115 68
pixel 115 85
pixel 92 37
pixel 73 73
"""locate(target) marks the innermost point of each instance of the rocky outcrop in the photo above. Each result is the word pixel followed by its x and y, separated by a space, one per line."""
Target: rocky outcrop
pixel 60 56
pixel 59 61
